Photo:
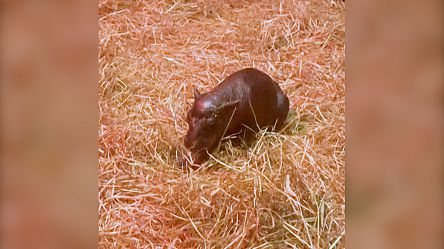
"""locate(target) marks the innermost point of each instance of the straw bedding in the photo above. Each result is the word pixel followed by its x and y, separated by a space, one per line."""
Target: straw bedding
pixel 286 190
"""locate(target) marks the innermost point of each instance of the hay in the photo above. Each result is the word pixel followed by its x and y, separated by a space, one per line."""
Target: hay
pixel 287 190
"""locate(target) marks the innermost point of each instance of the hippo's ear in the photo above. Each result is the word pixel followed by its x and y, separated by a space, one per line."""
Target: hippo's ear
pixel 196 93
pixel 228 105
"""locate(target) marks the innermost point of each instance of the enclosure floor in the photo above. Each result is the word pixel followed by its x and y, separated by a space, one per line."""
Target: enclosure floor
pixel 286 190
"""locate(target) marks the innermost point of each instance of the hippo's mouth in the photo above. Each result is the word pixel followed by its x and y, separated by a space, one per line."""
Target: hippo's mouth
pixel 198 156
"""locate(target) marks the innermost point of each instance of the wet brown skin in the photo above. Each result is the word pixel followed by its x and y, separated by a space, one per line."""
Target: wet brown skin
pixel 243 103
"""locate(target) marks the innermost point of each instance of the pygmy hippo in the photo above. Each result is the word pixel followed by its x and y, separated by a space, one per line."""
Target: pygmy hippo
pixel 242 104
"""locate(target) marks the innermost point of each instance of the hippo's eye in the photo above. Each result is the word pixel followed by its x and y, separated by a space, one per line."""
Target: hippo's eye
pixel 211 117
pixel 211 120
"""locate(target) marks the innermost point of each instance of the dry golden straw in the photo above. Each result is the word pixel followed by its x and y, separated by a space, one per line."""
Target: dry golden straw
pixel 287 190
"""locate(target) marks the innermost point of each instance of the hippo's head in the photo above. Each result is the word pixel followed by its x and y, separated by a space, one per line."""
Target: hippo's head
pixel 207 120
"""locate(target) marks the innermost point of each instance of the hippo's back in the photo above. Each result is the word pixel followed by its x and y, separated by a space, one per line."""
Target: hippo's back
pixel 258 95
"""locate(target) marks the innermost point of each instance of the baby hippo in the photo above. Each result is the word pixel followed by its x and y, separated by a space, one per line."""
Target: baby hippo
pixel 242 104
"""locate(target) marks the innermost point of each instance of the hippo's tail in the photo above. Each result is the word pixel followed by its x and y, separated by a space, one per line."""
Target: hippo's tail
pixel 283 106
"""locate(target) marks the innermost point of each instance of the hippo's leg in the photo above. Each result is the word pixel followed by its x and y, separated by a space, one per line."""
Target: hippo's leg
pixel 248 135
